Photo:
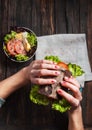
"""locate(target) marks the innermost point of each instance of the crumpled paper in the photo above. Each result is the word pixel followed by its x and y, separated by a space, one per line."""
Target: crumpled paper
pixel 69 48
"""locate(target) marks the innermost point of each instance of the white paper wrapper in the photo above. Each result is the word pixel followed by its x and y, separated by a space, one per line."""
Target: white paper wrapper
pixel 69 48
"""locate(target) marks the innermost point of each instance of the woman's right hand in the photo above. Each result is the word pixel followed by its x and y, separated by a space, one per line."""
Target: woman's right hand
pixel 38 70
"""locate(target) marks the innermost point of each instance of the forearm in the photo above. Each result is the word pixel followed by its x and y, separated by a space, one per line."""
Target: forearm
pixel 75 119
pixel 12 83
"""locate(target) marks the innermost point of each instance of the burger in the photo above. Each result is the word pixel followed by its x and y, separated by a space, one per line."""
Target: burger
pixel 47 94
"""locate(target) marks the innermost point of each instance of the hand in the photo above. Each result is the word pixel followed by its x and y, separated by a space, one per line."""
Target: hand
pixel 75 113
pixel 73 86
pixel 37 71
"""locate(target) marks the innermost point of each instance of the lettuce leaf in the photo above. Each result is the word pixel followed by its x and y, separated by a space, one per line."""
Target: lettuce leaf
pixel 52 58
pixel 9 36
pixel 21 57
pixel 32 40
pixel 61 105
pixel 76 70
pixel 37 98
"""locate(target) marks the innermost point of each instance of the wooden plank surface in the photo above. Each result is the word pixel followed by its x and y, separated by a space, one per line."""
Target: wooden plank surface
pixel 88 119
pixel 44 18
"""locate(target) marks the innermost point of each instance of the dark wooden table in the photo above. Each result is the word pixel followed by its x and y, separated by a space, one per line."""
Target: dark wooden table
pixel 44 17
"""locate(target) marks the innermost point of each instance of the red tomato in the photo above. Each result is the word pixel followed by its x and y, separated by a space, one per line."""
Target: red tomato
pixel 19 48
pixel 63 65
pixel 15 47
pixel 11 48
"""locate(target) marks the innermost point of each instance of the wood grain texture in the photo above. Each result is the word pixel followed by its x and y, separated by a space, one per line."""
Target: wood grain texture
pixel 44 17
pixel 88 119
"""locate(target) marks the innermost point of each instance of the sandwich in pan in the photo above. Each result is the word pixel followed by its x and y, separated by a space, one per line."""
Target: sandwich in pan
pixel 47 94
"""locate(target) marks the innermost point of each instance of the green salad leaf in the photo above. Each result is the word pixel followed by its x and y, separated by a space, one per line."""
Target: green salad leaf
pixel 32 40
pixel 52 58
pixel 9 36
pixel 21 57
pixel 37 98
pixel 75 69
pixel 61 105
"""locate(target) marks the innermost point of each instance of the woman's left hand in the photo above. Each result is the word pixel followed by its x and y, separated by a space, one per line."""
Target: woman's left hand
pixel 73 86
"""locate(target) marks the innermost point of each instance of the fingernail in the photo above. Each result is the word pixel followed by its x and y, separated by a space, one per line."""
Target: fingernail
pixel 71 77
pixel 53 81
pixel 57 72
pixel 56 67
pixel 59 91
pixel 63 82
pixel 66 77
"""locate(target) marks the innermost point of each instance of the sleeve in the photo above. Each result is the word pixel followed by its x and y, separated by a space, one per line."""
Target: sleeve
pixel 2 101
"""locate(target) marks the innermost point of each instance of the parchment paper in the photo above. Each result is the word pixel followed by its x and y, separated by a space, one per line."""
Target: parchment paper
pixel 69 48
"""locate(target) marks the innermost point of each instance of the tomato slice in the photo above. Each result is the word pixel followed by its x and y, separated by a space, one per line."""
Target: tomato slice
pixel 11 48
pixel 19 48
pixel 63 65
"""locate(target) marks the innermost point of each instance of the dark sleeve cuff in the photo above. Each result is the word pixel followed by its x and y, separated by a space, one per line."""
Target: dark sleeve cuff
pixel 2 101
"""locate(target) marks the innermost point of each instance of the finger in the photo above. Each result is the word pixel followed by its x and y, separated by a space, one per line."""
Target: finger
pixel 44 61
pixel 44 72
pixel 73 88
pixel 37 62
pixel 73 101
pixel 44 64
pixel 72 80
pixel 42 81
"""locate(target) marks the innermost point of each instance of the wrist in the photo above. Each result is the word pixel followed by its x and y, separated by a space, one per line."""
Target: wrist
pixel 25 74
pixel 75 119
pixel 13 83
pixel 74 111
